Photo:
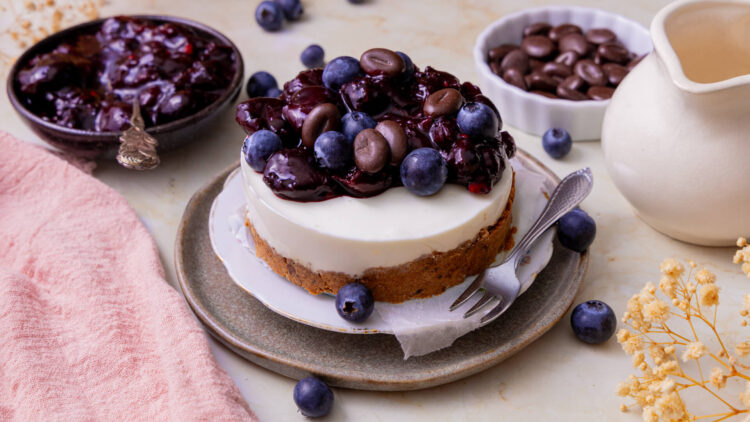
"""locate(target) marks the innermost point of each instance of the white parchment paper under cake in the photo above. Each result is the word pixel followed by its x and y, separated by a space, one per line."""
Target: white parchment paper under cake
pixel 421 326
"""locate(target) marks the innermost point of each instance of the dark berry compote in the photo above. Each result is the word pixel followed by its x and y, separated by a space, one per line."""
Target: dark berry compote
pixel 91 80
pixel 346 130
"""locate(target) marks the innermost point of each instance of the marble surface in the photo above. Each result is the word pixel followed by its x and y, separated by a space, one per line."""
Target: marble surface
pixel 555 378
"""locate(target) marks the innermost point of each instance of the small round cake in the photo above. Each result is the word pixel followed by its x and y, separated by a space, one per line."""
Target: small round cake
pixel 374 171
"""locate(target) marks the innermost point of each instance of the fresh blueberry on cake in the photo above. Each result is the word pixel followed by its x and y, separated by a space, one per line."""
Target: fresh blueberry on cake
pixel 387 175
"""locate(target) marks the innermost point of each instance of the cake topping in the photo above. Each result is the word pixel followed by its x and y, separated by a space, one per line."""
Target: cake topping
pixel 354 122
pixel 380 61
pixel 386 114
pixel 323 118
pixel 333 151
pixel 396 138
pixel 371 151
pixel 445 101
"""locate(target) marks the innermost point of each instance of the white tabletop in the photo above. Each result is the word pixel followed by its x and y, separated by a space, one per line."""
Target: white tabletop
pixel 556 377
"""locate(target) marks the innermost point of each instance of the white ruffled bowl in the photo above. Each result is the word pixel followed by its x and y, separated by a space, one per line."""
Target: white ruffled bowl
pixel 535 113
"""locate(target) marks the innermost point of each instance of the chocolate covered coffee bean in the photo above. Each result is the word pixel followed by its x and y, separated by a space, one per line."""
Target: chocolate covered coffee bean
pixel 381 61
pixel 556 33
pixel 445 101
pixel 613 52
pixel 371 151
pixel 538 81
pixel 575 43
pixel 397 140
pixel 600 92
pixel 564 61
pixel 590 72
pixel 516 59
pixel 557 69
pixel 537 46
pixel 539 28
pixel 323 118
pixel 514 77
pixel 615 73
pixel 600 35
pixel 498 53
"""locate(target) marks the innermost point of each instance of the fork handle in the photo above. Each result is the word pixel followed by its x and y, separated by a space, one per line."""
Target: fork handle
pixel 573 189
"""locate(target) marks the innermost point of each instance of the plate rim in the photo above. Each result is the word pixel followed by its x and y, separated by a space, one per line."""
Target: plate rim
pixel 295 368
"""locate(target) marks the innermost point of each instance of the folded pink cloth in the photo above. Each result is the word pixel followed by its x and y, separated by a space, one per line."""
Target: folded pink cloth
pixel 89 328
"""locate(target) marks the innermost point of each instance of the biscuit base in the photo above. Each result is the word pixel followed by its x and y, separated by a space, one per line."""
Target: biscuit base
pixel 426 276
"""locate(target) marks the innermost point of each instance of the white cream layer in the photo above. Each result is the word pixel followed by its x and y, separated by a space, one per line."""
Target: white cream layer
pixel 350 235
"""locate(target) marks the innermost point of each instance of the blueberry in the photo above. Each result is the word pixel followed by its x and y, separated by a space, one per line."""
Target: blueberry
pixel 556 142
pixel 269 16
pixel 312 56
pixel 356 1
pixel 292 8
pixel 354 302
pixel 260 83
pixel 424 171
pixel 354 122
pixel 259 146
pixel 340 71
pixel 408 65
pixel 593 321
pixel 576 230
pixel 478 121
pixel 333 151
pixel 313 397
pixel 274 93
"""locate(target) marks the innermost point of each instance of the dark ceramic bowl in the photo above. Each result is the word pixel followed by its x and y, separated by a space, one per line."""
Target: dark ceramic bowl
pixel 92 144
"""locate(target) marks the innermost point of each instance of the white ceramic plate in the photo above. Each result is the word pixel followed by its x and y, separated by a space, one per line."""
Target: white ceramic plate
pixel 292 301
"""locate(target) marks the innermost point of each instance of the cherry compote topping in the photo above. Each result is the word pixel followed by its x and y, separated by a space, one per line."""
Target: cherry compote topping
pixel 293 173
pixel 91 80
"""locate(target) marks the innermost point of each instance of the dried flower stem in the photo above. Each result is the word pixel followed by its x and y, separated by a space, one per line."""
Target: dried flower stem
pixel 691 298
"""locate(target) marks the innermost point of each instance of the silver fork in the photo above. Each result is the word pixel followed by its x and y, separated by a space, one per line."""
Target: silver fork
pixel 501 284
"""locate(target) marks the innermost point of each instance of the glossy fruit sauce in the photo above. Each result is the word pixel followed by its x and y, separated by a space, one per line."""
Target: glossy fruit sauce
pixel 90 80
pixel 293 172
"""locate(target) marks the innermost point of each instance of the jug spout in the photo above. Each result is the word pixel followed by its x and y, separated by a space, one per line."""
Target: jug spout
pixel 704 43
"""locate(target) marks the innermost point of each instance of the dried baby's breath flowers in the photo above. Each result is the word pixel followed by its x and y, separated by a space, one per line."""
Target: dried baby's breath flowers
pixel 664 325
pixel 24 22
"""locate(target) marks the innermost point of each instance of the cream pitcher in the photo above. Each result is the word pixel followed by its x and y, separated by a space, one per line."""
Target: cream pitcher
pixel 676 136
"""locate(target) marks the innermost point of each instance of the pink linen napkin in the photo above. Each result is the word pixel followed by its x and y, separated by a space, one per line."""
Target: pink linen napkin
pixel 89 328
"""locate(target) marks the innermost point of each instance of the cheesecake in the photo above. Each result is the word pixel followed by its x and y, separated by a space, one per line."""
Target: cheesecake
pixel 377 172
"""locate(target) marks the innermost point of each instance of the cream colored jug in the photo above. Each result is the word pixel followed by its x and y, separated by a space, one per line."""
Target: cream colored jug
pixel 676 136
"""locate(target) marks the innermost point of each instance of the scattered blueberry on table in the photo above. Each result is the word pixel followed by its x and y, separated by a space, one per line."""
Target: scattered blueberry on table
pixel 557 142
pixel 292 8
pixel 313 397
pixel 333 150
pixel 593 321
pixel 576 230
pixel 259 146
pixel 269 16
pixel 424 171
pixel 354 302
pixel 261 84
pixel 354 122
pixel 313 56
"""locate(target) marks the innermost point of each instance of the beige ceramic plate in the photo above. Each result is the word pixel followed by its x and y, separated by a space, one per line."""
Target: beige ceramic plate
pixel 373 362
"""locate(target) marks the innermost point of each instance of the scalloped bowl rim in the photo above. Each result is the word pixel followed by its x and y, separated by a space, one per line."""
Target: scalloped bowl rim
pixel 483 66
